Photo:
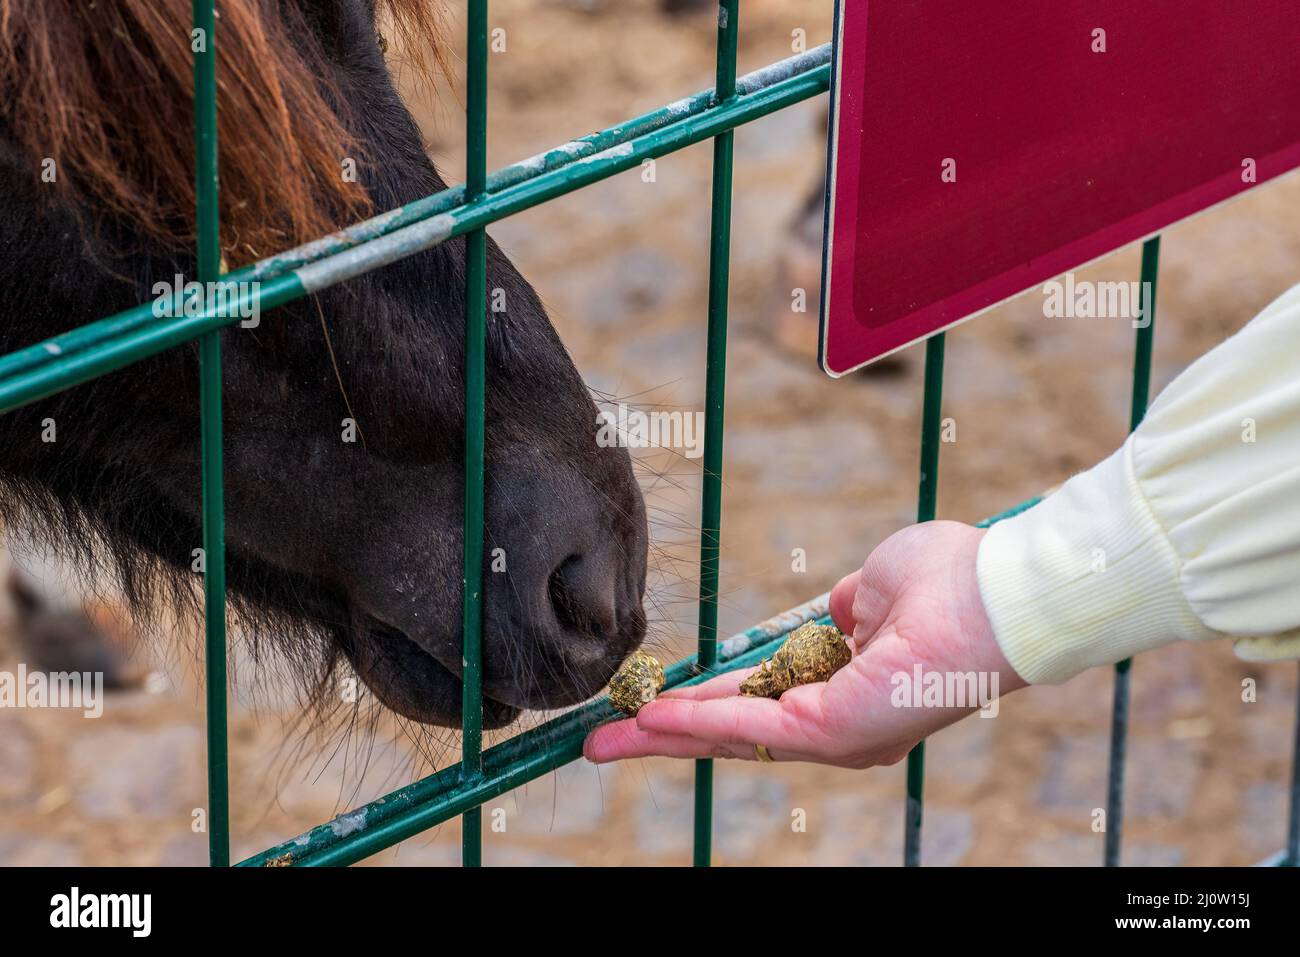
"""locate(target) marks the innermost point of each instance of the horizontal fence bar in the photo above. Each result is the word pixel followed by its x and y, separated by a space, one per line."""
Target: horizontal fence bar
pixel 63 370
pixel 441 796
pixel 433 800
pixel 116 341
pixel 789 81
pixel 1012 512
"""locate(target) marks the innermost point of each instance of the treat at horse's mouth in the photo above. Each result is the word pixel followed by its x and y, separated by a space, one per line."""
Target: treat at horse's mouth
pixel 637 683
pixel 812 653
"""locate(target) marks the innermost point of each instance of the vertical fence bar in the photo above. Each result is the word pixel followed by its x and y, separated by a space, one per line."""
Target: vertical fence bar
pixel 927 496
pixel 214 519
pixel 1118 752
pixel 1124 670
pixel 714 403
pixel 475 396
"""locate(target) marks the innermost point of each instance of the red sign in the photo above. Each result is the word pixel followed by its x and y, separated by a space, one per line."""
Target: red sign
pixel 981 148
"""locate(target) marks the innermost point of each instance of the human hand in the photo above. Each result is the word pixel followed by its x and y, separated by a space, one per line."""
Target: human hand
pixel 914 602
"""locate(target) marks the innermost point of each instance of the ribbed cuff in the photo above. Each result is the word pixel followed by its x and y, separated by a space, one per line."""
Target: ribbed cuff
pixel 1085 578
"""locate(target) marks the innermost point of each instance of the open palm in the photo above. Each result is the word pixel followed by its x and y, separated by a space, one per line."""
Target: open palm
pixel 914 602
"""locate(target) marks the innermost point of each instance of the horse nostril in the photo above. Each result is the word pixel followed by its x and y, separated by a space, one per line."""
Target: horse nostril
pixel 581 597
pixel 561 591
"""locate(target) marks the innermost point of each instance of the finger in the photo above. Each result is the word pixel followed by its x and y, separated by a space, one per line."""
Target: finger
pixel 736 720
pixel 623 739
pixel 872 601
pixel 723 686
pixel 747 752
pixel 842 601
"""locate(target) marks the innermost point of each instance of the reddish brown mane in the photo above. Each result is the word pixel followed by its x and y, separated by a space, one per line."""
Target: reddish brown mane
pixel 105 90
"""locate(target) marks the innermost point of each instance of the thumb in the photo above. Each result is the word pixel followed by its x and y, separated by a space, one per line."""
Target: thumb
pixel 860 606
pixel 861 602
pixel 842 602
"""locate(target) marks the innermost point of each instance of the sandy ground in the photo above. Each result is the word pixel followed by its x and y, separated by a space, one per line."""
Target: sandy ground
pixel 826 466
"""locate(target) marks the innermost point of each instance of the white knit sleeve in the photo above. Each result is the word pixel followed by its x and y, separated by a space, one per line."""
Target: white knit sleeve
pixel 1190 531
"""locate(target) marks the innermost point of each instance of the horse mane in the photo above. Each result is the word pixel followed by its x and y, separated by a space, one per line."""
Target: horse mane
pixel 105 90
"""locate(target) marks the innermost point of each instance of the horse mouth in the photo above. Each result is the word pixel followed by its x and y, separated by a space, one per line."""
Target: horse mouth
pixel 412 682
pixel 421 678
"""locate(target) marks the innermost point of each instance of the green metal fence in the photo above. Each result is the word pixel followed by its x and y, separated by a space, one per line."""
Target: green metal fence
pixel 119 340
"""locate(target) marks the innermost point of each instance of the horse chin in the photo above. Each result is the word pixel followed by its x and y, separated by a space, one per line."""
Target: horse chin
pixel 411 682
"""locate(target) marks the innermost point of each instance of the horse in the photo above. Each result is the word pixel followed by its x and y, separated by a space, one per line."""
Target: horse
pixel 339 553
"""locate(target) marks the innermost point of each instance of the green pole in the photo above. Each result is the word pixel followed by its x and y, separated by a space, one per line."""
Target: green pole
pixel 203 42
pixel 1124 669
pixel 715 393
pixel 475 396
pixel 927 497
